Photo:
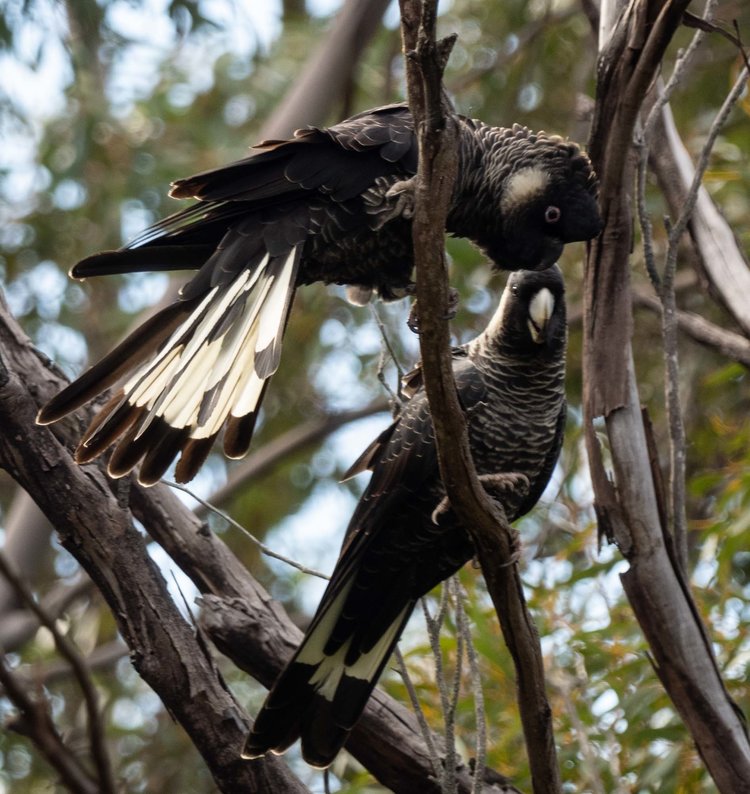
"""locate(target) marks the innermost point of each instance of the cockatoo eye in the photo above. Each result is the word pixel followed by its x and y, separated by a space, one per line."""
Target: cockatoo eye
pixel 552 214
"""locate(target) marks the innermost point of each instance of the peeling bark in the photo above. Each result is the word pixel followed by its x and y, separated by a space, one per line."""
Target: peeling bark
pixel 625 499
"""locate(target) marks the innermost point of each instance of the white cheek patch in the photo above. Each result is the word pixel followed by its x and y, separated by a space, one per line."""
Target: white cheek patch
pixel 524 186
pixel 540 310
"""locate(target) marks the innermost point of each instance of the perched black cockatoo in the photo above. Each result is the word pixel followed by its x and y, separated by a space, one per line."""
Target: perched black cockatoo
pixel 328 205
pixel 403 538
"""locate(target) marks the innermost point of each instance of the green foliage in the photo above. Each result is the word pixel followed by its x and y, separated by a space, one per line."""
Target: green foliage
pixel 92 166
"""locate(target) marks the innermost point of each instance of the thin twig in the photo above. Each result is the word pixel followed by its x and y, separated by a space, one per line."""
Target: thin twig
pixel 82 674
pixel 644 221
pixel 266 457
pixel 434 625
pixel 393 396
pixel 427 734
pixel 464 628
pixel 261 546
pixel 677 437
pixel 450 720
pixel 397 397
pixel 703 161
pixel 691 21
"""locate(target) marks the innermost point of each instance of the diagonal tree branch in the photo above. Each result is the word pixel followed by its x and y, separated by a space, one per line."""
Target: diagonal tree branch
pixel 101 536
pixel 253 629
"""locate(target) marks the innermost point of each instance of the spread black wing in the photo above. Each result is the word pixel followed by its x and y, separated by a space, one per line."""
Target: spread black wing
pixel 259 228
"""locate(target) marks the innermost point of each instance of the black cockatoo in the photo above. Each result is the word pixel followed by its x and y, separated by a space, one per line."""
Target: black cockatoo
pixel 327 205
pixel 403 538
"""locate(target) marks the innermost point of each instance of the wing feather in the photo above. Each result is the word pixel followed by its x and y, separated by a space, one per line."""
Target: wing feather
pixel 212 369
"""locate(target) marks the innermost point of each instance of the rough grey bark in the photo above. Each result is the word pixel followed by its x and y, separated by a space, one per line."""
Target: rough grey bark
pixel 163 646
pixel 100 534
pixel 634 39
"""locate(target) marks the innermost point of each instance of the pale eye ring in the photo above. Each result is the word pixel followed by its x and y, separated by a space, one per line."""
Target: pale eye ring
pixel 552 214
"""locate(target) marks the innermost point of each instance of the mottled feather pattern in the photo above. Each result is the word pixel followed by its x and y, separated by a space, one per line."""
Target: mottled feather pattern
pixel 323 198
pixel 511 388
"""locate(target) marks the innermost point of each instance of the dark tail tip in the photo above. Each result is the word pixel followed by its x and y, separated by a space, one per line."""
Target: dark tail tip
pixel 47 415
pixel 251 751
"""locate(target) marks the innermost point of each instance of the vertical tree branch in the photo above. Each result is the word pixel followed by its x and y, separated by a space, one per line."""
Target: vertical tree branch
pixel 627 508
pixel 677 441
pixel 425 59
pixel 463 625
pixel 427 734
pixel 434 626
pixel 664 285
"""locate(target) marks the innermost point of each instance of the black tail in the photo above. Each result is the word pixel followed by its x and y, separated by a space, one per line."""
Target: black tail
pixel 143 260
pixel 323 690
pixel 197 366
